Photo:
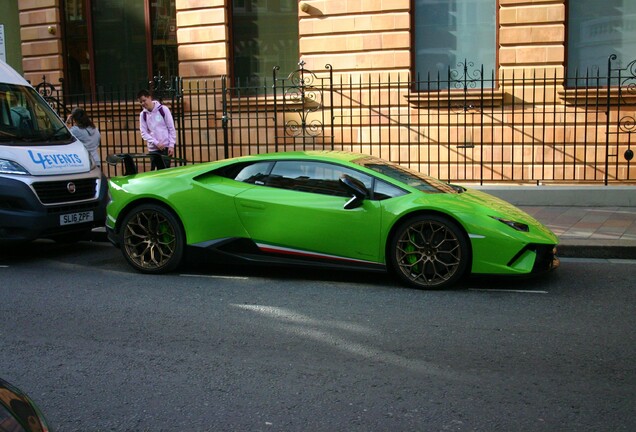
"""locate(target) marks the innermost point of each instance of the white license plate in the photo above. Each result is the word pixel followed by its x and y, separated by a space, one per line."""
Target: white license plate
pixel 75 218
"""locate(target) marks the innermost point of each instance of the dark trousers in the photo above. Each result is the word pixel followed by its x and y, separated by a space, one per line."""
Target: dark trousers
pixel 157 160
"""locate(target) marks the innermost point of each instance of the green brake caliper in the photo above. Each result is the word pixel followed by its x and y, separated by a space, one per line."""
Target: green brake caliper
pixel 412 258
pixel 164 232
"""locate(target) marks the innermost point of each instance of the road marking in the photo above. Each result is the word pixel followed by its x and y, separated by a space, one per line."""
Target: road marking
pixel 509 290
pixel 4 266
pixel 215 276
pixel 609 211
pixel 598 260
pixel 621 261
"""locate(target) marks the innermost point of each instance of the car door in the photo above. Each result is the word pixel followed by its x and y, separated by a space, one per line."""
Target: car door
pixel 299 209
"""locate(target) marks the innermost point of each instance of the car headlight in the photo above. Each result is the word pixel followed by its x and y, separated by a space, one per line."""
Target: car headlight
pixel 10 167
pixel 519 226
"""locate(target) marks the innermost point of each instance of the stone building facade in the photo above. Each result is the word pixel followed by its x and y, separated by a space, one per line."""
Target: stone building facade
pixel 351 35
pixel 375 40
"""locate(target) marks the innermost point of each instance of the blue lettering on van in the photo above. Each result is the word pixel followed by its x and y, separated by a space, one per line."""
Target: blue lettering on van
pixel 55 161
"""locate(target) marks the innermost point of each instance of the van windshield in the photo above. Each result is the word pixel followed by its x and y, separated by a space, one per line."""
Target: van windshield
pixel 26 119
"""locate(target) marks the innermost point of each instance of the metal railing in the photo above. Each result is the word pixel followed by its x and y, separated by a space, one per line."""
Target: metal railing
pixel 462 126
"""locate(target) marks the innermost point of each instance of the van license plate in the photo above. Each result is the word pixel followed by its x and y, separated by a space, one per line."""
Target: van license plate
pixel 75 218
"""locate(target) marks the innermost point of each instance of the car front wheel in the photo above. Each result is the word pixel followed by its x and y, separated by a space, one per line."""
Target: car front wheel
pixel 152 239
pixel 429 251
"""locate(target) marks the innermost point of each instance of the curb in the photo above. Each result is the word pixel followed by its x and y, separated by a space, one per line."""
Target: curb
pixel 607 249
pixel 563 196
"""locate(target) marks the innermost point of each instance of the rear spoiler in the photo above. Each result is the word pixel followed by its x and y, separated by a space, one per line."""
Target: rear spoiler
pixel 129 160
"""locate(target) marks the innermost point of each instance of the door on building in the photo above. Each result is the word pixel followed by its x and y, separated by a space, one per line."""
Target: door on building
pixel 115 44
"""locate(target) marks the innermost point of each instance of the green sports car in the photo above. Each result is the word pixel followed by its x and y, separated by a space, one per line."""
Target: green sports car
pixel 324 208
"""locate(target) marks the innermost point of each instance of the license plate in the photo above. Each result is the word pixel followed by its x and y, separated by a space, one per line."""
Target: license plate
pixel 75 218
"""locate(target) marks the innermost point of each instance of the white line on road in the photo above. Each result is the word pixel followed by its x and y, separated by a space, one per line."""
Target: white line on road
pixel 598 260
pixel 509 290
pixel 215 276
pixel 4 266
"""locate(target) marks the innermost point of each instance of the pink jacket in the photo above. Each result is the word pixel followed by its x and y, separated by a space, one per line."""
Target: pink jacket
pixel 157 127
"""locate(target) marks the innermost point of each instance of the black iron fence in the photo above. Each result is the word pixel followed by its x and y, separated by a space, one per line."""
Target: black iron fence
pixel 464 126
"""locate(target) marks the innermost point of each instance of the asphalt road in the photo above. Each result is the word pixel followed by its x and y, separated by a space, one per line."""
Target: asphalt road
pixel 102 348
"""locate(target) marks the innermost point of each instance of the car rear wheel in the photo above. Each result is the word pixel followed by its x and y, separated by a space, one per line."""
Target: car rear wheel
pixel 429 251
pixel 152 239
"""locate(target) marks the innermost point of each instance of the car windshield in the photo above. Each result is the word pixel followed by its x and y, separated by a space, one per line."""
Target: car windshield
pixel 407 176
pixel 25 118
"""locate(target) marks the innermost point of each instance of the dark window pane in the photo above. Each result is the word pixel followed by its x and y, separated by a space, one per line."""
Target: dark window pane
pixel 164 38
pixel 451 33
pixel 78 75
pixel 119 50
pixel 597 29
pixel 119 35
pixel 264 35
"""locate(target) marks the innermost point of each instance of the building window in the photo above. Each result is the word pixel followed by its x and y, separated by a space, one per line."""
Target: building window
pixel 264 35
pixel 452 34
pixel 114 43
pixel 596 30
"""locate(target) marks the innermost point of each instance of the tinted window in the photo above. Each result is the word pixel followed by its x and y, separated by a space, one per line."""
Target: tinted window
pixel 385 190
pixel 314 177
pixel 255 173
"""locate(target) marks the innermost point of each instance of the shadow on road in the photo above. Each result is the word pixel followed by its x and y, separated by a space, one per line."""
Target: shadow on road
pixel 99 251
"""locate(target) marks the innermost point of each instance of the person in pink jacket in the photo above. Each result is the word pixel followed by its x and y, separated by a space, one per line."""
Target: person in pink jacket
pixel 157 129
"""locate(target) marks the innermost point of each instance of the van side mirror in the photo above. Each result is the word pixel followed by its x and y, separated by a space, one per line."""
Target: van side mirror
pixel 356 188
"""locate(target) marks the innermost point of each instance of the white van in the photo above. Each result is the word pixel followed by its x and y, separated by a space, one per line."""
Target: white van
pixel 49 185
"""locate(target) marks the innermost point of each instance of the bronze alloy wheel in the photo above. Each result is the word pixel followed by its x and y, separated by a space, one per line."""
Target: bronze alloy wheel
pixel 429 252
pixel 152 239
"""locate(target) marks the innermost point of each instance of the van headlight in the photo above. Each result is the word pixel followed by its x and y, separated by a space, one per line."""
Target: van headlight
pixel 10 167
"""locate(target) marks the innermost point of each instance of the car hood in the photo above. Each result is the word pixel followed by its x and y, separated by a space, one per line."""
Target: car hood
pixel 478 208
pixel 501 207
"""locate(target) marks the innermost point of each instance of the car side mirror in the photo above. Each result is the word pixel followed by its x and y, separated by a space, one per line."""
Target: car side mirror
pixel 18 412
pixel 356 188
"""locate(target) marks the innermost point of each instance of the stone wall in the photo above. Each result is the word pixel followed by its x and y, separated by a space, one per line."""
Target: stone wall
pixel 40 31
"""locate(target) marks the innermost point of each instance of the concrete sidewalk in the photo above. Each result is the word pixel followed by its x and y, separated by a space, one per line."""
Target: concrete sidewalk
pixel 590 221
pixel 590 232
